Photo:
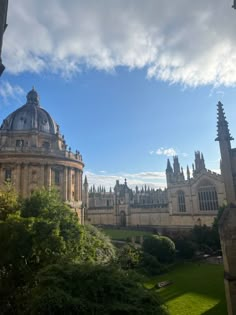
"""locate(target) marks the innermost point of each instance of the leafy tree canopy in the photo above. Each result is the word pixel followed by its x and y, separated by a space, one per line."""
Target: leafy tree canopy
pixel 90 289
pixel 39 231
pixel 161 247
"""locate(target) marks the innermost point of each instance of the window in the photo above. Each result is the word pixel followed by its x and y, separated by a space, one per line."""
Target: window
pixel 19 143
pixel 7 175
pixel 181 201
pixel 46 145
pixel 208 199
pixel 57 177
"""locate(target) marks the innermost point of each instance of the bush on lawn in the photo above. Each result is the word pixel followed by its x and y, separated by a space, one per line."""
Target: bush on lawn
pixel 161 247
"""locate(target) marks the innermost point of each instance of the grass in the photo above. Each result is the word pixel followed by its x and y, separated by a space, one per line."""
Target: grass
pixel 196 290
pixel 122 235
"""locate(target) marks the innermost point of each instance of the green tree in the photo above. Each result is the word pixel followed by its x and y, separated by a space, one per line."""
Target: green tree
pixel 161 247
pixel 44 231
pixel 89 289
pixel 9 201
pixel 128 257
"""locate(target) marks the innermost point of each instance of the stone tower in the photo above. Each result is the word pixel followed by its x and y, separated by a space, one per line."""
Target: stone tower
pixel 85 193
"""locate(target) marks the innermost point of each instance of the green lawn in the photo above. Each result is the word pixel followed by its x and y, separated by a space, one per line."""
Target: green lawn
pixel 119 234
pixel 196 290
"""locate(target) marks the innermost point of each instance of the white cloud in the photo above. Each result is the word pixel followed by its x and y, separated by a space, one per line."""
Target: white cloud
pixel 191 42
pixel 11 92
pixel 166 151
pixel 151 179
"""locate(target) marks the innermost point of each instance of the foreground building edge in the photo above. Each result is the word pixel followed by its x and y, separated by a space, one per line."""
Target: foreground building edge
pixel 227 226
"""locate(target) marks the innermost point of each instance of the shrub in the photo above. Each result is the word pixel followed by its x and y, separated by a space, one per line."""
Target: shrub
pixel 161 247
pixel 186 248
pixel 88 289
pixel 128 257
pixel 151 266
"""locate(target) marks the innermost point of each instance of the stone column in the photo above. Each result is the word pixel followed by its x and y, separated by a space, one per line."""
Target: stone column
pixel 42 171
pixel 77 186
pixel 69 196
pixel 80 184
pixel 18 178
pixel 227 229
pixel 1 175
pixel 25 180
pixel 49 176
pixel 65 183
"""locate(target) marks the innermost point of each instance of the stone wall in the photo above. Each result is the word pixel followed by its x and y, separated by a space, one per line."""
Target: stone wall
pixel 156 217
pixel 228 244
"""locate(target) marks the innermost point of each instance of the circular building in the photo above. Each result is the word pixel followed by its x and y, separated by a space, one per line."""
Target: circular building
pixel 34 154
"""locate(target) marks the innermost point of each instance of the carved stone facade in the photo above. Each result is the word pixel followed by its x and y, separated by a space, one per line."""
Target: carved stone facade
pixel 185 202
pixel 34 154
pixel 227 227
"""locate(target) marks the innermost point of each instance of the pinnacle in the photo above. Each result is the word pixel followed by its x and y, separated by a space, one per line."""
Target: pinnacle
pixel 223 132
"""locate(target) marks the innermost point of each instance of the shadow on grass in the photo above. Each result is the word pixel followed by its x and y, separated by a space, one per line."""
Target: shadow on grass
pixel 205 281
pixel 218 309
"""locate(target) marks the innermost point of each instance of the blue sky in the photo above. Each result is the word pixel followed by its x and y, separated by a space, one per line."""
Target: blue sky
pixel 127 88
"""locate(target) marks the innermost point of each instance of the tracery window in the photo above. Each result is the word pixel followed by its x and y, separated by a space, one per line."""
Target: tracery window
pixel 208 199
pixel 181 201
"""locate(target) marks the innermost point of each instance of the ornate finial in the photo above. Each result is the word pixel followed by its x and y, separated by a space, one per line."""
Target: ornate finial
pixel 222 125
pixel 33 98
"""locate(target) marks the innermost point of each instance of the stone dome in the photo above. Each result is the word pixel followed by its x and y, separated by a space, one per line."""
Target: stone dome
pixel 30 117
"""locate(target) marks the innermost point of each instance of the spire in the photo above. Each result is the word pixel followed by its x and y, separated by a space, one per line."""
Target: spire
pixel 85 180
pixel 176 165
pixel 202 162
pixel 169 169
pixel 222 125
pixel 188 173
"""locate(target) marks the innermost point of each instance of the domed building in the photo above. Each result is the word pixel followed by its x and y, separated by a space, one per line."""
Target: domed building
pixel 34 154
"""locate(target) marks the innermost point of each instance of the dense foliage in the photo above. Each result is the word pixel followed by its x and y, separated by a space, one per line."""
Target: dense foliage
pixel 37 232
pixel 90 289
pixel 161 247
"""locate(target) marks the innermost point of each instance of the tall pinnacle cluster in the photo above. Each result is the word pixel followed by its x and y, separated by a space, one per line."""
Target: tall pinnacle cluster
pixel 175 174
pixel 223 132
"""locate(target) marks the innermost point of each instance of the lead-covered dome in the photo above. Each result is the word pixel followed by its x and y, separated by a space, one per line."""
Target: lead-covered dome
pixel 30 117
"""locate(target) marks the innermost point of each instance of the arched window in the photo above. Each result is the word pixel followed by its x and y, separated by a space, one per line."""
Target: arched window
pixel 181 201
pixel 208 199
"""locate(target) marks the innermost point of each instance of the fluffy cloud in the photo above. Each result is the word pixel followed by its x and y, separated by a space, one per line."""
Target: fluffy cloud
pixel 11 92
pixel 151 179
pixel 191 42
pixel 167 152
